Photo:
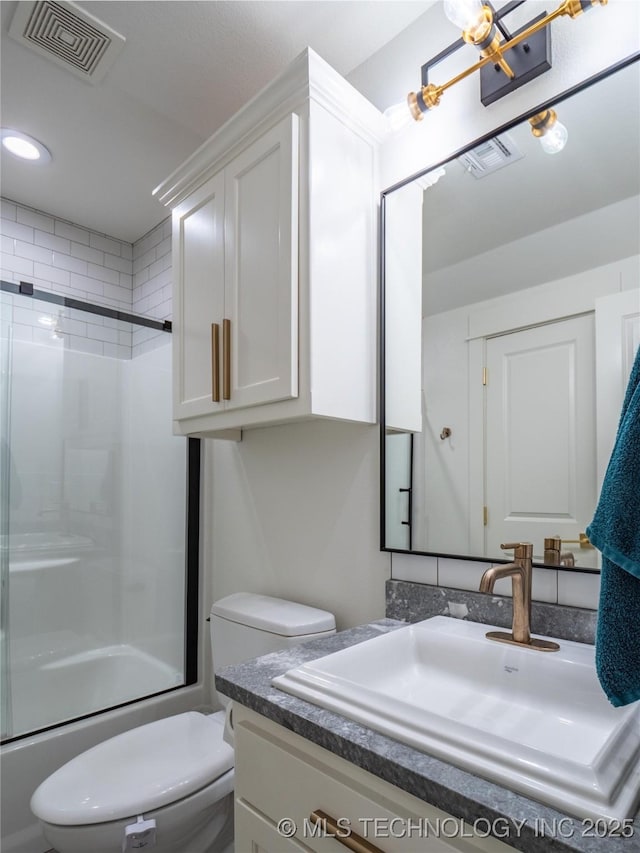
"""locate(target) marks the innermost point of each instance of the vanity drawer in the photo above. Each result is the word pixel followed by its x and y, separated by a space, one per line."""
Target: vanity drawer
pixel 256 833
pixel 285 778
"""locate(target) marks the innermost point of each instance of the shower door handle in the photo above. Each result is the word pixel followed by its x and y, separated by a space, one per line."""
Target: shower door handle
pixel 215 362
pixel 226 359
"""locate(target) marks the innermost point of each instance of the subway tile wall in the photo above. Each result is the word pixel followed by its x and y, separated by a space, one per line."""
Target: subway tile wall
pixel 151 284
pixel 67 259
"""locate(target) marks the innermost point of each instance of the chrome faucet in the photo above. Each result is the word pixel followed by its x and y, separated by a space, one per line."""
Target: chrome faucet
pixel 520 571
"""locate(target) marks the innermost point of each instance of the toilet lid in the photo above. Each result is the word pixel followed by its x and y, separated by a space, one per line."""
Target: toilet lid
pixel 143 769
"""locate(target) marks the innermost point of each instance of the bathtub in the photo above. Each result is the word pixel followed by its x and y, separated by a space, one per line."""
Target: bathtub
pixel 68 687
pixel 21 543
pixel 53 684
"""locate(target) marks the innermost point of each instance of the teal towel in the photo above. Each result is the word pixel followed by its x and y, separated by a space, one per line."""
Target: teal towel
pixel 615 532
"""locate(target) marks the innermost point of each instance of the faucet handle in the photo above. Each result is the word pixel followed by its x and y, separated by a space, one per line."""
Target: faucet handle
pixel 521 550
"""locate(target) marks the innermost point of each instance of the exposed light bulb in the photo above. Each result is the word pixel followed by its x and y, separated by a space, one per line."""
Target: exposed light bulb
pixel 552 134
pixel 555 138
pixel 464 14
pixel 398 116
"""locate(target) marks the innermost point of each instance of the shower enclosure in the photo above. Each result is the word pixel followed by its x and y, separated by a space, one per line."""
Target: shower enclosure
pixel 98 577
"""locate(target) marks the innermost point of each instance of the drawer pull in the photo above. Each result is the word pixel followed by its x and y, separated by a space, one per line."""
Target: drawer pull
pixel 353 842
pixel 215 362
pixel 226 359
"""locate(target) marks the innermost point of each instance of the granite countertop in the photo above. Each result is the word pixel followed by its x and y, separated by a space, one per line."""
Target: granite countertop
pixel 521 823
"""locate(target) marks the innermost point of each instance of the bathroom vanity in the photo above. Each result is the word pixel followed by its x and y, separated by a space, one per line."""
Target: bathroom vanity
pixel 294 759
pixel 321 800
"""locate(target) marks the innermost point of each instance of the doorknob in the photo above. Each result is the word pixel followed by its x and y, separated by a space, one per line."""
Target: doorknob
pixel 582 541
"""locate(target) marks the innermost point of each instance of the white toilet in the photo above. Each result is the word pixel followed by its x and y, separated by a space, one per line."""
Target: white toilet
pixel 168 786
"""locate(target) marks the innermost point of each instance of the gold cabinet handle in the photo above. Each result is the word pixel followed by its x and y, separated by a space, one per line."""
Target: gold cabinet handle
pixel 215 362
pixel 352 841
pixel 226 359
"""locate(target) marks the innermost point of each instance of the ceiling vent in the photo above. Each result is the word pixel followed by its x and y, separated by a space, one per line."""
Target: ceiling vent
pixel 68 36
pixel 491 155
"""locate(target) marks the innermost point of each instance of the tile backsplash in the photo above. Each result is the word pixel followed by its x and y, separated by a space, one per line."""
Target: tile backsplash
pixel 564 587
pixel 413 602
pixel 67 259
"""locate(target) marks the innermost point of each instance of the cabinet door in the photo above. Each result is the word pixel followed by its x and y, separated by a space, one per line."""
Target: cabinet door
pixel 198 235
pixel 285 779
pixel 261 268
pixel 254 833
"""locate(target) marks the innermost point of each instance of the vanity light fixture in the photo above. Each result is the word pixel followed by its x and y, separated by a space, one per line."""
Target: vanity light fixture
pixel 23 146
pixel 529 53
pixel 551 133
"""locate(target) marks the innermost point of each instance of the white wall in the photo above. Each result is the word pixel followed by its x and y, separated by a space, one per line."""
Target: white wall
pixel 293 512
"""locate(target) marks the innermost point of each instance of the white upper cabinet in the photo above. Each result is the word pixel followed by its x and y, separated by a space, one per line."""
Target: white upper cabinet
pixel 261 268
pixel 236 261
pixel 274 260
pixel 198 263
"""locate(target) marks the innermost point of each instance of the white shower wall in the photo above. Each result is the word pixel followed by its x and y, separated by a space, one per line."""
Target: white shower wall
pixel 61 257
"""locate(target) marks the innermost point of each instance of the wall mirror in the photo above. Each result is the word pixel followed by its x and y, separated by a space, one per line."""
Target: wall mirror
pixel 512 316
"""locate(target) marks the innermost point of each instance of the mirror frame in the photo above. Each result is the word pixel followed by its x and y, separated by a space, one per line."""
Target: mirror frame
pixel 568 93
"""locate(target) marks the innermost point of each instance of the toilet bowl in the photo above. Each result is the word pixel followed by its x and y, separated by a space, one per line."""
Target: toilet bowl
pixel 167 786
pixel 178 773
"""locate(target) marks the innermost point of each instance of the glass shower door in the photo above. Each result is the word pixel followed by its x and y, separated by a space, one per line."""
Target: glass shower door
pixel 93 514
pixel 6 724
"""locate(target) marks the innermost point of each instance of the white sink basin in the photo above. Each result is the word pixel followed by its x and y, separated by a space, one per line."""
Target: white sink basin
pixel 536 722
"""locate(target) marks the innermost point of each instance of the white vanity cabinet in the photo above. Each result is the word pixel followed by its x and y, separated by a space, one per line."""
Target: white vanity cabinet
pixel 274 260
pixel 282 779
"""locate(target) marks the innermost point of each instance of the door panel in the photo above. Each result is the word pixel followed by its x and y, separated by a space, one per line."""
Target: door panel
pixel 540 434
pixel 262 268
pixel 200 298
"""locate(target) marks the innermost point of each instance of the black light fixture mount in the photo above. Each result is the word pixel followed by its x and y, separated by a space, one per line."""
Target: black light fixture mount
pixel 508 60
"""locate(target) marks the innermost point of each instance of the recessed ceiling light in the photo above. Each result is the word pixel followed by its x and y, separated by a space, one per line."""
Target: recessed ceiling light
pixel 24 146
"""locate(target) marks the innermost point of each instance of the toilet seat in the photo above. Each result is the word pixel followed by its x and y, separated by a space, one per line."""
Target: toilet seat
pixel 143 769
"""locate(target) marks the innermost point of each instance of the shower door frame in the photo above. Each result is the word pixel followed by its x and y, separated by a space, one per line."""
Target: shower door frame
pixel 192 533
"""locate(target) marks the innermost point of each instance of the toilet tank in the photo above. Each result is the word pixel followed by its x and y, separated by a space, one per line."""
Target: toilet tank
pixel 245 625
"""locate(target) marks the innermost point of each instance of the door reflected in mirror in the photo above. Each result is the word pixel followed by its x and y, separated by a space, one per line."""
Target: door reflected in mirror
pixel 512 317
